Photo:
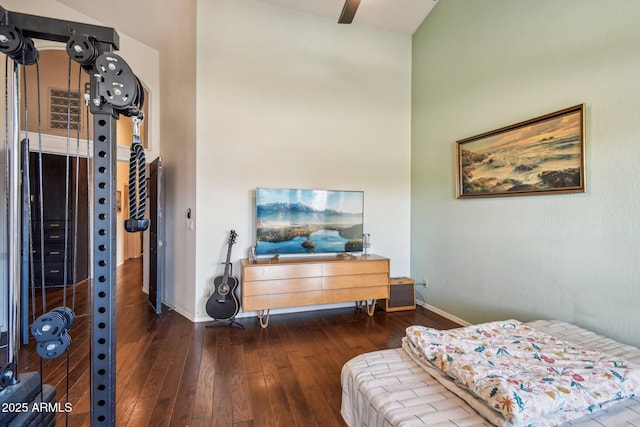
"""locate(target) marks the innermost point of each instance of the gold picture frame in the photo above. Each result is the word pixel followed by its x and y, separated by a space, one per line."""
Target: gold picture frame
pixel 543 155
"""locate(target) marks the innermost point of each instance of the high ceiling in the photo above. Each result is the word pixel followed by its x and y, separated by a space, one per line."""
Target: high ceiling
pixel 400 16
pixel 146 20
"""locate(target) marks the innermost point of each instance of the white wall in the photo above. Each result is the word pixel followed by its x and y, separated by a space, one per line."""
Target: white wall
pixel 479 66
pixel 288 99
pixel 178 128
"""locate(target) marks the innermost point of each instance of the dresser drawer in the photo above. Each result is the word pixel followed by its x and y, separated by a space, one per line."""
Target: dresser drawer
pixel 355 294
pixel 53 274
pixel 357 267
pixel 54 236
pixel 53 225
pixel 51 236
pixel 355 281
pixel 50 254
pixel 47 225
pixel 264 302
pixel 262 287
pixel 284 271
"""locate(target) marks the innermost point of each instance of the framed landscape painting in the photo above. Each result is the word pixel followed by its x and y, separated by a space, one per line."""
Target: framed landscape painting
pixel 543 155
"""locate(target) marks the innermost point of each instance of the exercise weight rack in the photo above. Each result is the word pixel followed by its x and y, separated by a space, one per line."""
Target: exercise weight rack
pixel 92 47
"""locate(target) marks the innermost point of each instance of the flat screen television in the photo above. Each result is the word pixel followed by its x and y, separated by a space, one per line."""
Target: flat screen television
pixel 294 221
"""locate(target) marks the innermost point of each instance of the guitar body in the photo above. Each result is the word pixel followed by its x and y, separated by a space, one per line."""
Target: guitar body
pixel 223 303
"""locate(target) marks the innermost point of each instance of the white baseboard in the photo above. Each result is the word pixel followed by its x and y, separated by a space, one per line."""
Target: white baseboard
pixel 443 313
pixel 183 313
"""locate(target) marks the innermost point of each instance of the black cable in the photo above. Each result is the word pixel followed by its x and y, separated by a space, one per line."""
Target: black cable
pixel 26 184
pixel 6 152
pixel 65 267
pixel 88 181
pixel 32 284
pixel 41 195
pixel 41 390
pixel 420 296
pixel 74 261
pixel 66 413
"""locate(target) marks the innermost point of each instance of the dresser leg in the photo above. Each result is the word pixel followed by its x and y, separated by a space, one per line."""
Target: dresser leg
pixel 264 323
pixel 371 308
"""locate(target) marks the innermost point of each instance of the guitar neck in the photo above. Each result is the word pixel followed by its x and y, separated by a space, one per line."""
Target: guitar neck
pixel 227 264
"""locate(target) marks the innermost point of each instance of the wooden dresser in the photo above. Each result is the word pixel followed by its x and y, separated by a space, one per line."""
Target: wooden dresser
pixel 300 281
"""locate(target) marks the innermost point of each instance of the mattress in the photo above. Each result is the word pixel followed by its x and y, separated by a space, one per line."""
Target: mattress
pixel 388 388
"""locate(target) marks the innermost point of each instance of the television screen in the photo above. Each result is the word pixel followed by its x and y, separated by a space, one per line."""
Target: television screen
pixel 290 221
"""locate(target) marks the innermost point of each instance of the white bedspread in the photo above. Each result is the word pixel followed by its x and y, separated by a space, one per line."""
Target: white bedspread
pixel 388 388
pixel 529 377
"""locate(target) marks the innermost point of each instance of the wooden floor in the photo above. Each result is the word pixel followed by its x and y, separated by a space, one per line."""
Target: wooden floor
pixel 172 372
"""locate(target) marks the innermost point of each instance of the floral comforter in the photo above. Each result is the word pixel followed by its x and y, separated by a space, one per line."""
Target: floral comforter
pixel 531 378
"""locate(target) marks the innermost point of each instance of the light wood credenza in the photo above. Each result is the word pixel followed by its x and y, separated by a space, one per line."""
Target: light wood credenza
pixel 300 281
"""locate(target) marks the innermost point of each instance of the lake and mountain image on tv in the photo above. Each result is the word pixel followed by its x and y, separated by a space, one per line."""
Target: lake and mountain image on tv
pixel 293 221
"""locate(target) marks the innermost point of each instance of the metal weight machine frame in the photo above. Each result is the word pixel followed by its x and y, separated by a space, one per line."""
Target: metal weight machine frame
pixel 105 115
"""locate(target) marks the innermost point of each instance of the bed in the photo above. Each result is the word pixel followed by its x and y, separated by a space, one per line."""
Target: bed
pixel 394 388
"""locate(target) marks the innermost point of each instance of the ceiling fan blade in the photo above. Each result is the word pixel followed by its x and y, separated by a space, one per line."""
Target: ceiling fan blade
pixel 348 11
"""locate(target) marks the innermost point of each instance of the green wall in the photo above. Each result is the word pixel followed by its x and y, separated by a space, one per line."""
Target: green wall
pixel 482 65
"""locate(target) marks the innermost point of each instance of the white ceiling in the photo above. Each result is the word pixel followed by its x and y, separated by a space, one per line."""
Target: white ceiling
pixel 401 16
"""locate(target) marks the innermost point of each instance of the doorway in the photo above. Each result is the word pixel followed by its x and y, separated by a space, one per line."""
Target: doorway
pixel 59 219
pixel 156 235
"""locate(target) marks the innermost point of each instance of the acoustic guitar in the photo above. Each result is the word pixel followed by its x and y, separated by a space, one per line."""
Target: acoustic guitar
pixel 223 303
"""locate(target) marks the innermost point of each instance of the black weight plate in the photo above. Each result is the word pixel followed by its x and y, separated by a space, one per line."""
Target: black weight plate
pixel 68 314
pixel 49 326
pixel 54 348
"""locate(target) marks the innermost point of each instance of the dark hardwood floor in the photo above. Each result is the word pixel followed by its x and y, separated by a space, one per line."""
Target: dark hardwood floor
pixel 172 372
